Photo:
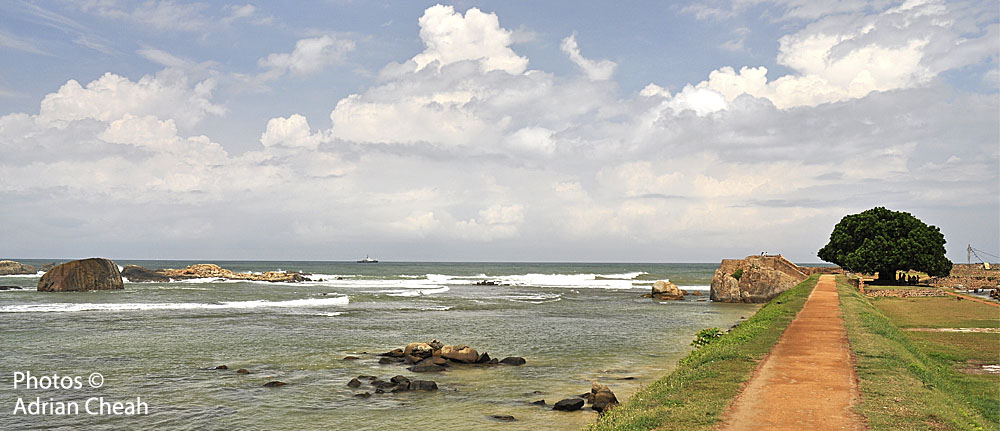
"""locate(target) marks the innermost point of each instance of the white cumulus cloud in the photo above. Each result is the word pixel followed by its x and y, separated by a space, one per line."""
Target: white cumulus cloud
pixel 448 37
pixel 843 57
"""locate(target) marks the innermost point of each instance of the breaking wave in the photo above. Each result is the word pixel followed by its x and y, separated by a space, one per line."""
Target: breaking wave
pixel 138 306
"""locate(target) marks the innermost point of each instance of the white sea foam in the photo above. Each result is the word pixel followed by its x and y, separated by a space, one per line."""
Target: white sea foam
pixel 598 281
pixel 565 280
pixel 433 281
pixel 37 274
pixel 138 306
pixel 623 276
pixel 435 308
pixel 529 298
pixel 419 292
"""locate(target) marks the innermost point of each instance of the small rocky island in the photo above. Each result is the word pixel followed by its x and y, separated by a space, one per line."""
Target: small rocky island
pixel 138 274
pixel 10 267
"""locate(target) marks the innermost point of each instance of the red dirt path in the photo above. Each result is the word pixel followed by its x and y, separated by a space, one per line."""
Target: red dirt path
pixel 807 382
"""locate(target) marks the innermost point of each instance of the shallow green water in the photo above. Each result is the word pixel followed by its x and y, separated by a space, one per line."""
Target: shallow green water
pixel 574 323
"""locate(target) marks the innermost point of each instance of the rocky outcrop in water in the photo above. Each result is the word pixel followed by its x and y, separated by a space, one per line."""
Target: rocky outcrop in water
pixel 460 353
pixel 665 290
pixel 393 385
pixel 138 274
pixel 435 356
pixel 601 397
pixel 754 279
pixel 568 404
pixel 10 267
pixel 82 275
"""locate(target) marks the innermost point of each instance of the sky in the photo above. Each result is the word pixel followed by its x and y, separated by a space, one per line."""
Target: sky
pixel 560 131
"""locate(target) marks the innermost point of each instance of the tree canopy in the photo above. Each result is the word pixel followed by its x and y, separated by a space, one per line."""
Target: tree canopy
pixel 883 241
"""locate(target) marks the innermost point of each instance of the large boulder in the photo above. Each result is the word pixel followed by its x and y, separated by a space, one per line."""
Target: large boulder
pixel 569 404
pixel 754 279
pixel 666 290
pixel 82 275
pixel 10 267
pixel 601 397
pixel 460 353
pixel 419 350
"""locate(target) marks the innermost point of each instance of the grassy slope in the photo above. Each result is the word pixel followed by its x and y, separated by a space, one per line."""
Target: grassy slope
pixel 910 385
pixel 697 392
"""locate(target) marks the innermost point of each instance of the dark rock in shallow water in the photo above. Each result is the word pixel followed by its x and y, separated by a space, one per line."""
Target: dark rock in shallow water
pixel 385 361
pixel 354 383
pixel 385 385
pixel 423 385
pixel 222 367
pixel 363 377
pixel 400 380
pixel 484 358
pixel 242 371
pixel 569 405
pixel 82 275
pixel 503 418
pixel 395 353
pixel 513 360
pixel 138 274
pixel 539 403
pixel 601 397
pixel 426 366
pixel 364 395
pixel 274 384
pixel 10 288
pixel 351 358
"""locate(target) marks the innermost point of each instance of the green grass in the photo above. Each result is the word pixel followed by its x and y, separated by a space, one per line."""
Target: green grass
pixel 914 385
pixel 938 312
pixel 695 395
pixel 958 347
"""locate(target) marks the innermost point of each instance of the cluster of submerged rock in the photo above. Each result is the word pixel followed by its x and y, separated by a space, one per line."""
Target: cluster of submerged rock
pixel 270 384
pixel 600 399
pixel 667 291
pixel 394 385
pixel 436 356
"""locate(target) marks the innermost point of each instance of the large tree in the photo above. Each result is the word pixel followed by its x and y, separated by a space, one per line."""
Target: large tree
pixel 883 241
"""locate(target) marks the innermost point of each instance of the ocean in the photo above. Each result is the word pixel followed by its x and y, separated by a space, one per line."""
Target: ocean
pixel 160 343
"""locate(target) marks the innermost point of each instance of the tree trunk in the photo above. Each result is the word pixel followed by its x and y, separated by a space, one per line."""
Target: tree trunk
pixel 887 276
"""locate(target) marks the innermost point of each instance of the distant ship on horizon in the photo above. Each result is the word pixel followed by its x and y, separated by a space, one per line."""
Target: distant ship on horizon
pixel 368 260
